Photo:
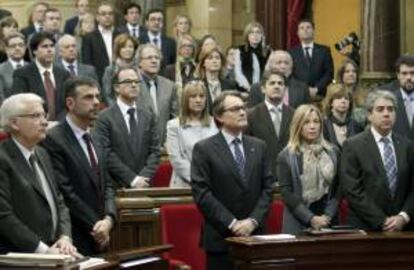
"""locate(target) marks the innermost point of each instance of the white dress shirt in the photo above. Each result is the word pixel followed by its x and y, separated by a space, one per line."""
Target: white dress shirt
pixel 107 37
pixel 151 37
pixel 124 110
pixel 42 70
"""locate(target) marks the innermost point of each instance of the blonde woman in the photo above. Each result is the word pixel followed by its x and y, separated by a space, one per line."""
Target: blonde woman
pixel 307 172
pixel 182 26
pixel 193 124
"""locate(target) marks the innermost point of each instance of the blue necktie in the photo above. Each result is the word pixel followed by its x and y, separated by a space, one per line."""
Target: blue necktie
pixel 390 164
pixel 238 156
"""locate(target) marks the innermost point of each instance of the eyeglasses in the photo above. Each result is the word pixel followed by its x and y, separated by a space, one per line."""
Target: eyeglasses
pixel 156 57
pixel 235 109
pixel 35 116
pixel 17 45
pixel 129 82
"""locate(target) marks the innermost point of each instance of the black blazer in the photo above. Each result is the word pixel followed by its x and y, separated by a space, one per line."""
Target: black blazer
pixel 124 29
pixel 88 201
pixel 225 84
pixel 365 184
pixel 168 48
pixel 28 31
pixel 320 72
pixel 260 125
pixel 127 159
pixel 352 128
pixel 70 25
pixel 28 80
pixel 298 93
pixel 26 217
pixel 220 192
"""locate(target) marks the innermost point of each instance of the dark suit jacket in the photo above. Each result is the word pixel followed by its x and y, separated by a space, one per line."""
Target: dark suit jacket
pixel 220 192
pixel 401 125
pixel 352 128
pixel 26 218
pixel 124 29
pixel 168 48
pixel 127 158
pixel 365 184
pixel 28 80
pixel 226 84
pixel 260 125
pixel 298 93
pixel 70 25
pixel 320 72
pixel 88 202
pixel 28 31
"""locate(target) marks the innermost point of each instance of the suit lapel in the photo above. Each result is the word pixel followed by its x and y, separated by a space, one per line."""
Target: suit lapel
pixel 37 80
pixel 284 125
pixel 267 120
pixel 249 153
pixel 119 118
pixel 399 150
pixel 141 129
pixel 46 170
pixel 101 44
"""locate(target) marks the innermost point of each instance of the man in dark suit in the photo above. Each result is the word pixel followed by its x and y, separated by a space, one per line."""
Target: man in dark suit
pixel 97 46
pixel 68 55
pixel 154 21
pixel 37 16
pixel 41 76
pixel 403 89
pixel 297 91
pixel 129 134
pixel 233 191
pixel 377 171
pixel 270 120
pixel 312 63
pixel 82 7
pixel 15 49
pixel 80 163
pixel 33 216
pixel 132 16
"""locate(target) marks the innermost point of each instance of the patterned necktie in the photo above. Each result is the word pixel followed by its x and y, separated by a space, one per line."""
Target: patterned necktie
pixel 276 120
pixel 307 54
pixel 50 95
pixel 92 158
pixel 238 156
pixel 72 71
pixel 390 164
pixel 153 93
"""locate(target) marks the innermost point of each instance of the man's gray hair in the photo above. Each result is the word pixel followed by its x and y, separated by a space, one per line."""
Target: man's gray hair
pixel 142 47
pixel 64 38
pixel 14 106
pixel 377 94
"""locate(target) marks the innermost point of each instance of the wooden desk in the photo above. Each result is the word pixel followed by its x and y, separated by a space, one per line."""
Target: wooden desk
pixel 373 251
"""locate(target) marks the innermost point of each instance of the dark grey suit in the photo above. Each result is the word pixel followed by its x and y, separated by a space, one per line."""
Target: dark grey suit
pixel 365 184
pixel 6 79
pixel 260 125
pixel 88 197
pixel 126 159
pixel 26 218
pixel 222 194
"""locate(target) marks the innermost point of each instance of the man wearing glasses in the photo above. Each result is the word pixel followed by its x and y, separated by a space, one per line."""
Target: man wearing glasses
pixel 129 134
pixel 231 181
pixel 33 216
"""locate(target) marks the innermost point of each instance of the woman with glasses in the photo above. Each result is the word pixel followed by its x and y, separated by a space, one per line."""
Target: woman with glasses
pixel 307 171
pixel 125 47
pixel 193 124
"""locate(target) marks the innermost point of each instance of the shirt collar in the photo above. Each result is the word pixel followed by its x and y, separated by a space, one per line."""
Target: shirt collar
pixel 230 138
pixel 14 63
pixel 124 107
pixel 310 45
pixel 26 152
pixel 405 95
pixel 148 79
pixel 66 64
pixel 378 136
pixel 42 69
pixel 152 36
pixel 105 31
pixel 130 26
pixel 270 106
pixel 77 130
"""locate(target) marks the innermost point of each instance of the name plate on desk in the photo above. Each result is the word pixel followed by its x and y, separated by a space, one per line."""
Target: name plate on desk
pixel 274 237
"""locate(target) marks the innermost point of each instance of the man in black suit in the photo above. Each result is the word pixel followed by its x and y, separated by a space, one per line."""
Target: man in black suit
pixel 132 16
pixel 37 16
pixel 270 120
pixel 129 134
pixel 82 7
pixel 33 216
pixel 97 46
pixel 377 171
pixel 154 21
pixel 79 163
pixel 231 181
pixel 41 76
pixel 403 89
pixel 297 91
pixel 312 62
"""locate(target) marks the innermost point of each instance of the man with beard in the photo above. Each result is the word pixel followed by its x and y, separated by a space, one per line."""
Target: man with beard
pixel 403 89
pixel 80 168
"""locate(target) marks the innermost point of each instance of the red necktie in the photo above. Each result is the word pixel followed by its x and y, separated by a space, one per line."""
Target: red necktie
pixel 50 95
pixel 92 159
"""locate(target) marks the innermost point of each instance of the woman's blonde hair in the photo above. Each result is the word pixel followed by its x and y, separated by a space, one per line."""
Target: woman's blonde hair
pixel 299 119
pixel 191 88
pixel 175 23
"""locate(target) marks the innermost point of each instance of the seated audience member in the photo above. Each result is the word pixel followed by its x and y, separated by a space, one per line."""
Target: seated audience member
pixel 157 94
pixel 80 167
pixel 68 58
pixel 251 57
pixel 339 123
pixel 82 7
pixel 270 120
pixel 33 216
pixel 182 26
pixel 42 77
pixel 403 89
pixel 307 171
pixel 125 47
pixel 8 26
pixel 312 62
pixel 209 70
pixel 129 134
pixel 15 49
pixel 297 92
pixel 348 77
pixel 132 16
pixel 377 169
pixel 36 17
pixel 231 181
pixel 205 42
pixel 192 125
